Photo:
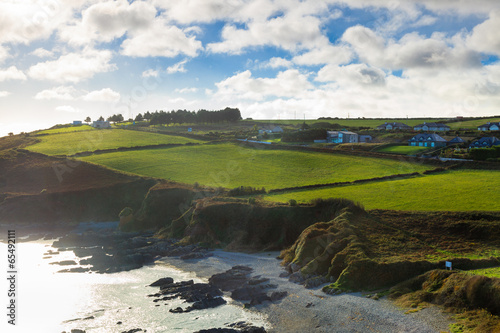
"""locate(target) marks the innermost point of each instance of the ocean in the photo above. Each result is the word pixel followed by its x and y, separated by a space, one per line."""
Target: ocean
pixel 47 301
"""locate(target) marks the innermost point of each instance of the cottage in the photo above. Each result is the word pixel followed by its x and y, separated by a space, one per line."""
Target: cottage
pixel 341 137
pixel 77 122
pixel 485 142
pixel 394 126
pixel 101 124
pixel 270 130
pixel 365 138
pixel 427 140
pixel 434 127
pixel 489 127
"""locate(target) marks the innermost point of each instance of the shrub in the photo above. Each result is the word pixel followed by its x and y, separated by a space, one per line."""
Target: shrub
pixel 292 202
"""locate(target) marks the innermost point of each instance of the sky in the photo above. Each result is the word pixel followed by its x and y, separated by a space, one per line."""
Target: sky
pixel 65 60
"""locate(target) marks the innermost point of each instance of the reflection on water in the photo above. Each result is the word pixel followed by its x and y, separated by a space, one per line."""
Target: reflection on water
pixel 54 302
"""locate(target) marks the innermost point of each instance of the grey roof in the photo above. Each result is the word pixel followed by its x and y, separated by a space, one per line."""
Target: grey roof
pixel 432 125
pixel 393 124
pixel 488 125
pixel 486 141
pixel 427 137
pixel 456 140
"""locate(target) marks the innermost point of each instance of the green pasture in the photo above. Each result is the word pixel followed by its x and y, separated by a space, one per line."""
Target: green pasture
pixel 402 150
pixel 75 142
pixel 473 123
pixel 69 129
pixel 489 272
pixel 458 190
pixel 229 166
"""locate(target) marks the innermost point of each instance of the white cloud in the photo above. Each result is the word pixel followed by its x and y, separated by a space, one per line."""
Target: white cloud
pixel 291 32
pixel 161 40
pixel 485 37
pixel 150 73
pixel 42 53
pixel 277 62
pixel 61 93
pixel 103 95
pixel 4 53
pixel 354 74
pixel 186 90
pixel 4 93
pixel 289 83
pixel 67 108
pixel 11 73
pixel 328 54
pixel 411 51
pixel 177 68
pixel 189 11
pixel 73 67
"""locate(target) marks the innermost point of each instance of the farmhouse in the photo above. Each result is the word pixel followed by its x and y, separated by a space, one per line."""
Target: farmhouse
pixel 270 130
pixel 485 142
pixel 341 137
pixel 101 124
pixel 427 140
pixel 431 127
pixel 489 127
pixel 394 126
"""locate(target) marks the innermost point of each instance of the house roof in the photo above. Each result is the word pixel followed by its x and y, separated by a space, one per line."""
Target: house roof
pixel 486 141
pixel 456 140
pixel 393 124
pixel 432 125
pixel 427 137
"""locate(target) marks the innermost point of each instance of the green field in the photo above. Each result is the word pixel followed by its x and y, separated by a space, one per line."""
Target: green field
pixel 69 129
pixel 229 166
pixel 459 190
pixel 75 142
pixel 472 124
pixel 402 150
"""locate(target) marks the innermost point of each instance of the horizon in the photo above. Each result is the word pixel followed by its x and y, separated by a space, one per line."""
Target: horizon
pixel 64 60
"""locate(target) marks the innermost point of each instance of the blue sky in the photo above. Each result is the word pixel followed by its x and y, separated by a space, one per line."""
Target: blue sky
pixel 63 60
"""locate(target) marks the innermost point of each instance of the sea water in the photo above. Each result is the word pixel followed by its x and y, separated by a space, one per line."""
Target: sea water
pixel 47 301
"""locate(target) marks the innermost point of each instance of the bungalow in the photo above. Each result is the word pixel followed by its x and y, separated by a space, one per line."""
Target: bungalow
pixel 341 137
pixel 101 124
pixel 431 127
pixel 485 142
pixel 365 138
pixel 489 127
pixel 427 140
pixel 270 130
pixel 394 126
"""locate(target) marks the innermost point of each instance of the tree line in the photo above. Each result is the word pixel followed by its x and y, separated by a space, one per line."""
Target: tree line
pixel 228 115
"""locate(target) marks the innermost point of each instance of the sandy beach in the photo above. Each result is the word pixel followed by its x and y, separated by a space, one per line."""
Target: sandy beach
pixel 311 310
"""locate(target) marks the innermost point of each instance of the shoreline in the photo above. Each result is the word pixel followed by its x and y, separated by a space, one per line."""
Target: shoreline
pixel 311 310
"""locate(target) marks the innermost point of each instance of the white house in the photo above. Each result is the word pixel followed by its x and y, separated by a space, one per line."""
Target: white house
pixel 489 127
pixel 341 137
pixel 270 130
pixel 101 124
pixel 431 127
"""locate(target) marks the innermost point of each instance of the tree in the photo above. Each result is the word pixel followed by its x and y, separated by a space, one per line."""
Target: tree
pixel 11 134
pixel 101 118
pixel 88 120
pixel 139 117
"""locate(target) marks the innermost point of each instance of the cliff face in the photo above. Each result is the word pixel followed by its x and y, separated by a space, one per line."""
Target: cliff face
pixel 36 188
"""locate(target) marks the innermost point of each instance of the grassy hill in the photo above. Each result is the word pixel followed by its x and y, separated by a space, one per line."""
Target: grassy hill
pixel 230 165
pixel 79 141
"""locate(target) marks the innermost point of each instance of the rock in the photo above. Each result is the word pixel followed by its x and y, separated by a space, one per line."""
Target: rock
pixel 231 279
pixel 76 330
pixel 296 277
pixel 176 310
pixel 278 295
pixel 134 330
pixel 284 274
pixel 162 281
pixel 255 281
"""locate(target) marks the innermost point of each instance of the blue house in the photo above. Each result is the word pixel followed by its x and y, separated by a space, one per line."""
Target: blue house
pixel 489 126
pixel 485 142
pixel 433 127
pixel 427 140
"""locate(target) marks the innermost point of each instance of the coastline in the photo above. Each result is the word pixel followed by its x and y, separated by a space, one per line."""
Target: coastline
pixel 311 310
